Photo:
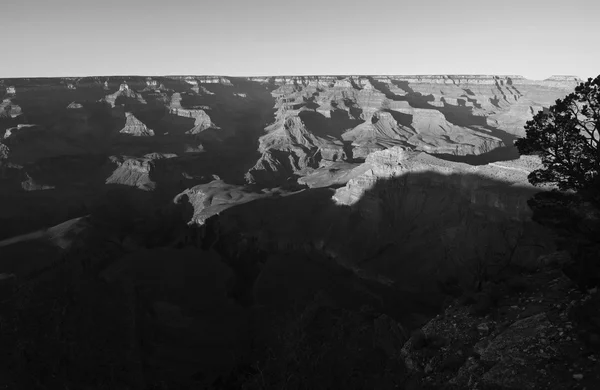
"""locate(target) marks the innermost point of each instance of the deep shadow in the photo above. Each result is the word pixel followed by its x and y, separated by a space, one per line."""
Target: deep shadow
pixel 375 255
pixel 414 99
pixel 403 119
pixel 298 223
pixel 472 101
pixel 331 128
pixel 505 153
pixel 402 84
pixel 461 115
pixel 499 85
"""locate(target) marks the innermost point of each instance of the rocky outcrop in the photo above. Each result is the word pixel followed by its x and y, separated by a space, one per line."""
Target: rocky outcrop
pixel 138 172
pixel 9 110
pixel 124 92
pixel 519 333
pixel 135 127
pixel 212 198
pixel 287 148
pixel 13 134
pixel 132 172
pixel 202 120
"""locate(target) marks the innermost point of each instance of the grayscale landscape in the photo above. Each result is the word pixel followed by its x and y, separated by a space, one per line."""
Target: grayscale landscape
pixel 299 195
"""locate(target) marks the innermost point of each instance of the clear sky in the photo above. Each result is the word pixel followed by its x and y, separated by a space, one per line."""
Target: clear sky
pixel 272 37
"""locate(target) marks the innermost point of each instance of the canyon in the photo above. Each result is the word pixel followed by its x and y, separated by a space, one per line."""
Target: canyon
pixel 198 208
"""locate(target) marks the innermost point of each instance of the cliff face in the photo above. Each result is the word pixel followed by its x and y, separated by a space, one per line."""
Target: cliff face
pixel 331 118
pixel 397 162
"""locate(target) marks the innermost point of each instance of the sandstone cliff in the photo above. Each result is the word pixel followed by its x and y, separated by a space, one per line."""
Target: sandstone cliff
pixel 135 127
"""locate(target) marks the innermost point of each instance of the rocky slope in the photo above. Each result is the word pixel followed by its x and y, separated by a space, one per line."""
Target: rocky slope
pixel 524 331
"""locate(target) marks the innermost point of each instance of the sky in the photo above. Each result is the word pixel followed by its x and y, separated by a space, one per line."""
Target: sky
pixel 535 39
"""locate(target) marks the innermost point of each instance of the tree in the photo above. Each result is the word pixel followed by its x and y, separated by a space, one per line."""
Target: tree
pixel 567 137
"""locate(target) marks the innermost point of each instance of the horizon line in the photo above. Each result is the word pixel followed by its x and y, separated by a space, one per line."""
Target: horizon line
pixel 300 75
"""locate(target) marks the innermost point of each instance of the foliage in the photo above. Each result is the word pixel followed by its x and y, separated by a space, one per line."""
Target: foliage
pixel 566 137
pixel 576 226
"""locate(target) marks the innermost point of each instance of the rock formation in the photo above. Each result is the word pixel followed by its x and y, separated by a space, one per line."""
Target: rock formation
pixel 212 198
pixel 330 118
pixel 398 161
pixel 74 106
pixel 12 134
pixel 126 93
pixel 202 120
pixel 9 110
pixel 135 127
pixel 137 172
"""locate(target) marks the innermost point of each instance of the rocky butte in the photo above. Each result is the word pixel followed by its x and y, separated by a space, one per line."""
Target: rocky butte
pixel 198 212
